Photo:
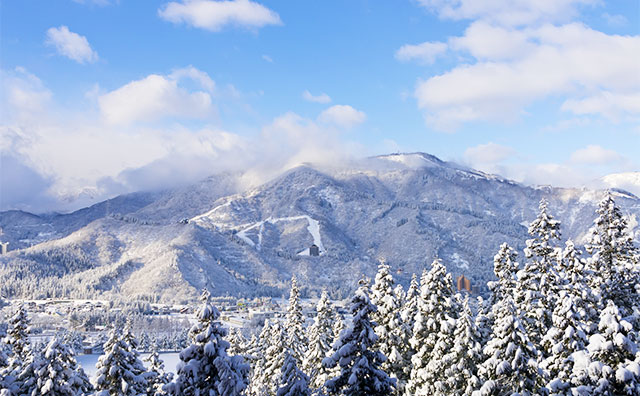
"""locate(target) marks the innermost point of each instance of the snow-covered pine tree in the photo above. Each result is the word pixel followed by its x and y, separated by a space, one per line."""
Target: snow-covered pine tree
pixel 54 372
pixel 389 328
pixel 538 281
pixel 257 384
pixel 574 275
pixel 293 382
pixel 464 357
pixel 408 314
pixel 297 338
pixel 119 370
pixel 237 343
pixel 253 350
pixel 157 376
pixel 18 334
pixel 274 356
pixel 17 343
pixel 511 366
pixel 360 365
pixel 410 308
pixel 321 338
pixel 614 261
pixel 614 367
pixel 205 368
pixel 505 267
pixel 436 308
pixel 565 337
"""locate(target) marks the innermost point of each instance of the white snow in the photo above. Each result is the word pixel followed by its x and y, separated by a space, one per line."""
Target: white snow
pixel 460 262
pixel 410 160
pixel 313 228
pixel 209 213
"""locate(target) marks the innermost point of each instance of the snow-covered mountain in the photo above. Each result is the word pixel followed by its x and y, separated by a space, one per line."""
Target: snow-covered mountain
pixel 407 208
pixel 629 181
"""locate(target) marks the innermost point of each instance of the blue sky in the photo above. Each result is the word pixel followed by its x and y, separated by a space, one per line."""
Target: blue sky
pixel 104 97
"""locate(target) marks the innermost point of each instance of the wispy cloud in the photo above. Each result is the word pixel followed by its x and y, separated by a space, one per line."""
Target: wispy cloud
pixel 71 45
pixel 343 116
pixel 426 52
pixel 322 98
pixel 215 15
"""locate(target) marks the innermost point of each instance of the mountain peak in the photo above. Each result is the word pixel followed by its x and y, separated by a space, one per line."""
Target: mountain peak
pixel 413 160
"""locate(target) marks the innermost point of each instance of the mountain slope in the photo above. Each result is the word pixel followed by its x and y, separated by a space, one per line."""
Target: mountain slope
pixel 406 208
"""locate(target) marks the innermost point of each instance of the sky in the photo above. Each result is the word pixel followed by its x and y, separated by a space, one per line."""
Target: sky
pixel 104 97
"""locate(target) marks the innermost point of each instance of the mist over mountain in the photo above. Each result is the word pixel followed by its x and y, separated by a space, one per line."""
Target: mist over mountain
pixel 168 245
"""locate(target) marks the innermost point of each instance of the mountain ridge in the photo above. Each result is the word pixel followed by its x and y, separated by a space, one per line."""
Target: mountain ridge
pixel 406 208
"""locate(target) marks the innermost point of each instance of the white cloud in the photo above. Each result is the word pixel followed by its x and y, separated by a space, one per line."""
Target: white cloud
pixel 63 159
pixel 71 45
pixel 596 72
pixel 194 74
pixel 343 116
pixel 613 106
pixel 426 52
pixel 508 12
pixel 485 41
pixel 267 58
pixel 156 97
pixel 322 98
pixel 23 95
pixel 490 153
pixel 215 15
pixel 595 155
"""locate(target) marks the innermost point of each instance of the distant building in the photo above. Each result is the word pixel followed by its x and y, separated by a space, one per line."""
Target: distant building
pixel 314 250
pixel 463 283
pixel 4 247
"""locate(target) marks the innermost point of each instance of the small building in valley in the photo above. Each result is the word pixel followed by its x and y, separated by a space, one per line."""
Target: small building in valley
pixel 4 247
pixel 314 250
pixel 463 283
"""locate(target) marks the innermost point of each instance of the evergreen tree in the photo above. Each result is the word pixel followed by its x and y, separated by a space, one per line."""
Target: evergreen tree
pixel 205 368
pixel 253 350
pixel 157 377
pixel 410 308
pixel 55 372
pixel 273 338
pixel 237 343
pixel 505 267
pixel 320 339
pixel 256 384
pixel 18 335
pixel 537 281
pixel 614 261
pixel 389 328
pixel 360 365
pixel 17 343
pixel 614 367
pixel 511 367
pixel 297 339
pixel 574 275
pixel 565 337
pixel 293 382
pixel 436 309
pixel 119 370
pixel 465 356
